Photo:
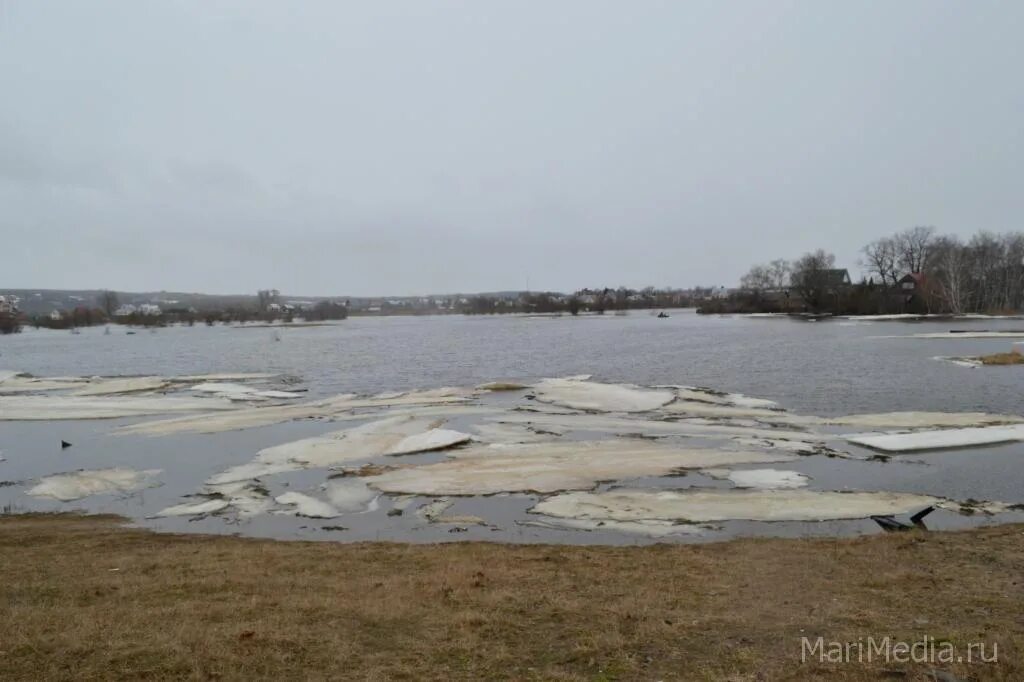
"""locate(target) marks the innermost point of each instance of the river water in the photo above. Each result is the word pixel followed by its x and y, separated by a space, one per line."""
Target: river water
pixel 825 368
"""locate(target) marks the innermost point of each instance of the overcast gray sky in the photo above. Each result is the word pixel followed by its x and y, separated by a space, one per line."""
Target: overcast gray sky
pixel 427 146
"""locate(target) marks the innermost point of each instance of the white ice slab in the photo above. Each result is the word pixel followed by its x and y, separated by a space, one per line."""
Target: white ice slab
pixel 194 508
pixel 593 396
pixel 56 407
pixel 304 505
pixel 351 495
pixel 938 439
pixel 700 506
pixel 78 484
pixel 551 467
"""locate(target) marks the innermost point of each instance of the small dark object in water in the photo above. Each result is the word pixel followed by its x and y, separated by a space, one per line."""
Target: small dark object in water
pixel 64 445
pixel 918 518
pixel 394 512
pixel 891 525
pixel 662 314
pixel 334 528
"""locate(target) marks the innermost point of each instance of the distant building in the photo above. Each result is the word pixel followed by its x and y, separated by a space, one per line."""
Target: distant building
pixel 912 282
pixel 9 304
pixel 719 292
pixel 56 316
pixel 127 310
pixel 838 279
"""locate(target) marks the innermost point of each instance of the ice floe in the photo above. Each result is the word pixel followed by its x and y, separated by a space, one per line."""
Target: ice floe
pixel 433 510
pixel 545 468
pixel 78 484
pixel 234 391
pixel 649 527
pixel 626 426
pixel 764 479
pixel 922 420
pixel 351 495
pixel 597 397
pixel 305 505
pixel 19 383
pixel 799 447
pixel 245 498
pixel 399 435
pixel 703 409
pixel 194 508
pixel 970 363
pixel 252 417
pixel 938 439
pixel 701 506
pixel 116 385
pixel 511 433
pixel 391 436
pixel 53 407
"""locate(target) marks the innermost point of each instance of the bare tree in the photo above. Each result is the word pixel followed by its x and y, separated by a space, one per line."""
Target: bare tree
pixel 948 278
pixel 880 258
pixel 811 277
pixel 779 271
pixel 107 301
pixel 912 248
pixel 758 278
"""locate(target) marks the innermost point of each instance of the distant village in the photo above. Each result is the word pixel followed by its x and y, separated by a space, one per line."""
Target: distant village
pixel 914 271
pixel 73 309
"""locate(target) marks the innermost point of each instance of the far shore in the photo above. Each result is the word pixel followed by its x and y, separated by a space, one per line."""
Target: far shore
pixel 90 598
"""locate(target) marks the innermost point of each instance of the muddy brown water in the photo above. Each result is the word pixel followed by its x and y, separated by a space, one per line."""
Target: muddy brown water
pixel 825 368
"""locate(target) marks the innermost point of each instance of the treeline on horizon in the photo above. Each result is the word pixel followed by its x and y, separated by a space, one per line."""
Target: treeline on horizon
pixel 914 271
pixel 596 301
pixel 266 308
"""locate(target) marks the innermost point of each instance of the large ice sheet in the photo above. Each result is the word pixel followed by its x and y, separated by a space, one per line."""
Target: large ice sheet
pixel 938 439
pixel 922 420
pixel 550 467
pixel 626 425
pixel 399 435
pixel 700 506
pixel 116 385
pixel 597 397
pixel 78 484
pixel 763 479
pixel 253 417
pixel 56 407
pixel 305 505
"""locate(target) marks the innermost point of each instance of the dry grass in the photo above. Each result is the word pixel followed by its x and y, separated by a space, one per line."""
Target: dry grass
pixel 1003 359
pixel 86 599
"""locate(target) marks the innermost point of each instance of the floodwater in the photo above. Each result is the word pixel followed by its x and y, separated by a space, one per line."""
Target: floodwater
pixel 825 368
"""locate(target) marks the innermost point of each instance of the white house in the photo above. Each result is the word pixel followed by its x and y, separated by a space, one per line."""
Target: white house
pixel 56 316
pixel 125 309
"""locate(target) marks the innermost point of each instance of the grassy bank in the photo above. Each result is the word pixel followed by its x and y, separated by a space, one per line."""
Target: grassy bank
pixel 87 599
pixel 1003 359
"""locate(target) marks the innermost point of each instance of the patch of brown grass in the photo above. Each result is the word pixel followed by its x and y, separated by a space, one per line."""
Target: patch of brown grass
pixel 1003 359
pixel 84 599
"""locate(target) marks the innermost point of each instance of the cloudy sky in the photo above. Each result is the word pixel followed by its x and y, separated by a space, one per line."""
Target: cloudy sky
pixel 393 147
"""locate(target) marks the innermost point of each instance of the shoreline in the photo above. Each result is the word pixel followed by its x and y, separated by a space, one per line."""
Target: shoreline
pixel 91 598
